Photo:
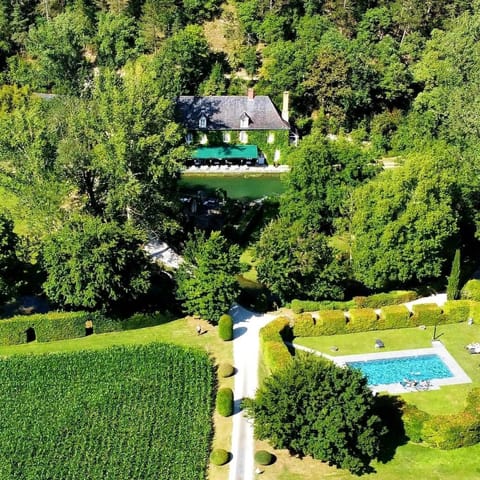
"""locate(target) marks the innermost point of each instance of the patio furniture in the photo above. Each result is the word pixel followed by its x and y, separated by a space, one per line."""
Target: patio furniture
pixel 379 344
pixel 473 347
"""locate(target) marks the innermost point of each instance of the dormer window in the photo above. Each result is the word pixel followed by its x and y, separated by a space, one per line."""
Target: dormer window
pixel 202 122
pixel 244 120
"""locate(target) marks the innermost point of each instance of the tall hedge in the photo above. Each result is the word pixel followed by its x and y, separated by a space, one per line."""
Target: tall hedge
pixel 305 325
pixel 456 311
pixel 427 314
pixel 275 352
pixel 332 322
pixel 394 316
pixel 378 300
pixel 53 326
pixel 362 320
pixel 300 306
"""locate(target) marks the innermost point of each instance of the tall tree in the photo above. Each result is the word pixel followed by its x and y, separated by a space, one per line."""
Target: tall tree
pixel 313 407
pixel 207 279
pixel 95 265
pixel 10 272
pixel 453 285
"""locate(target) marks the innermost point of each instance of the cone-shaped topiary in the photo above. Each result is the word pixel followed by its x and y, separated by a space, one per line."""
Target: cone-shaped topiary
pixel 224 402
pixel 225 328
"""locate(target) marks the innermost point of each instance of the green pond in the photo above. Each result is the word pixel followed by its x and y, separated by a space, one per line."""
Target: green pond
pixel 241 186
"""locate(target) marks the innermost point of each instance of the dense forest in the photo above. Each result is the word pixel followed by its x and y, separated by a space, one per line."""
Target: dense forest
pixel 369 80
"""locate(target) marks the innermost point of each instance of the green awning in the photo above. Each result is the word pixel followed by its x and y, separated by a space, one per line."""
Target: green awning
pixel 226 152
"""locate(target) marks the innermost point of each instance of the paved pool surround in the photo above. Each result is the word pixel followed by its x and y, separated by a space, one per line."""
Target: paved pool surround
pixel 458 374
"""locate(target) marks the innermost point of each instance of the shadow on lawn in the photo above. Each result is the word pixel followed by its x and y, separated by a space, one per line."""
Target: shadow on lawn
pixel 389 409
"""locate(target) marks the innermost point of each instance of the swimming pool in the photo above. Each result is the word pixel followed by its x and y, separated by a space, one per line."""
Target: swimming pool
pixel 398 369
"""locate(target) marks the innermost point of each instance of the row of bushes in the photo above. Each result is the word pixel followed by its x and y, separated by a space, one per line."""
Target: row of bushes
pixel 272 344
pixel 377 300
pixel 445 431
pixel 53 326
pixel 331 322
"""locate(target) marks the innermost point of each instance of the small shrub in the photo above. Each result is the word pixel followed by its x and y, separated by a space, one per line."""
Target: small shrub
pixel 413 420
pixel 362 320
pixel 427 314
pixel 452 431
pixel 225 328
pixel 332 322
pixel 219 457
pixel 456 311
pixel 262 457
pixel 225 370
pixel 471 290
pixel 224 402
pixel 379 300
pixel 394 316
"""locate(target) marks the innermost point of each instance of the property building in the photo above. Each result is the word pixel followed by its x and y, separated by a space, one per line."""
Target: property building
pixel 235 128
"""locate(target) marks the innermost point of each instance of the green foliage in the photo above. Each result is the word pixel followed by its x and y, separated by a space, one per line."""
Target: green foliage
pixel 427 314
pixel 302 263
pixel 383 299
pixel 54 326
pixel 394 316
pixel 224 402
pixel 453 285
pixel 219 457
pixel 475 311
pixel 206 280
pixel 262 457
pixel 452 431
pixel 362 320
pixel 225 328
pixel 332 410
pixel 473 402
pixel 300 306
pixel 333 322
pixel 10 268
pixel 304 325
pixel 471 290
pixel 456 311
pixel 95 265
pixel 225 370
pixel 91 398
pixel 274 351
pixel 413 421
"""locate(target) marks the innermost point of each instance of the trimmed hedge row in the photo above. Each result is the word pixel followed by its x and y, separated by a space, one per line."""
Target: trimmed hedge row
pixel 272 344
pixel 53 326
pixel 378 300
pixel 332 322
pixel 300 306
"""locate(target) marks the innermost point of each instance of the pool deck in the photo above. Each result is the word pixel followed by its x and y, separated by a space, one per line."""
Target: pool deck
pixel 459 376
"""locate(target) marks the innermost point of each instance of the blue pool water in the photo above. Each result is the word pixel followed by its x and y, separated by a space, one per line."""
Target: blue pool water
pixel 394 370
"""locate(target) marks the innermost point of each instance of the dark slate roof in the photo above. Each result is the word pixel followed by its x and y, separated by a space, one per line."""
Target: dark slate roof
pixel 224 113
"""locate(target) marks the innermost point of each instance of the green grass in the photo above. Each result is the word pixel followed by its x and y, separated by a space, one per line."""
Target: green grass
pixel 247 258
pixel 446 400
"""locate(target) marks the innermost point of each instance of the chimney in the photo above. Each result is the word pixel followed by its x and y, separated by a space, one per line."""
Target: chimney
pixel 250 94
pixel 285 106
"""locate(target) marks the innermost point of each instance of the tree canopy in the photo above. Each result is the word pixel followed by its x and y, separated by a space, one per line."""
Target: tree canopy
pixel 313 407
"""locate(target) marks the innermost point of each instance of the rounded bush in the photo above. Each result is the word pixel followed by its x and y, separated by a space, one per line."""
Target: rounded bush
pixel 471 290
pixel 225 370
pixel 219 457
pixel 225 328
pixel 224 402
pixel 262 457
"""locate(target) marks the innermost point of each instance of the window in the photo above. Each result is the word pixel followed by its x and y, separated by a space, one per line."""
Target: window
pixel 202 123
pixel 189 138
pixel 276 156
pixel 243 137
pixel 244 120
pixel 227 137
pixel 203 139
pixel 271 137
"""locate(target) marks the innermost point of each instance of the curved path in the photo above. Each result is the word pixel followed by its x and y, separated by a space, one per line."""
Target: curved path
pixel 245 358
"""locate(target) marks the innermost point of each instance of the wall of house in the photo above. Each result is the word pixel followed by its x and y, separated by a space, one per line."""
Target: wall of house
pixel 255 137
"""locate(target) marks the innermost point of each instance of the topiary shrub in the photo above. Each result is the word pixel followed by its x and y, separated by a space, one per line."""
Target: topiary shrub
pixel 224 402
pixel 331 322
pixel 456 311
pixel 262 457
pixel 394 316
pixel 427 314
pixel 219 457
pixel 225 370
pixel 225 328
pixel 452 431
pixel 362 320
pixel 471 290
pixel 413 420
pixel 304 326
